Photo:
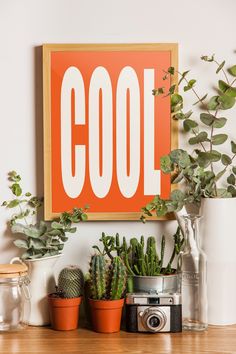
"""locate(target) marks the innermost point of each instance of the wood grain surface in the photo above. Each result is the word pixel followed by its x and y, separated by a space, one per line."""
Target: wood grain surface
pixel 220 340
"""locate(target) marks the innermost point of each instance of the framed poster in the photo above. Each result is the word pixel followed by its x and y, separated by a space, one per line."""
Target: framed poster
pixel 104 131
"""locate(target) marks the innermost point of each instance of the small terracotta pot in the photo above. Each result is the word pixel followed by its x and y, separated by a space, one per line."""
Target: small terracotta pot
pixel 106 315
pixel 64 313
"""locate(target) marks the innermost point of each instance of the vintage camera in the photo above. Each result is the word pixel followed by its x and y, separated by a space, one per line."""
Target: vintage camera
pixel 147 312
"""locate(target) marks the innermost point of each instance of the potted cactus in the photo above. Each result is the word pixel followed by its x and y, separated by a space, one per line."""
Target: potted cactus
pixel 145 267
pixel 64 303
pixel 107 285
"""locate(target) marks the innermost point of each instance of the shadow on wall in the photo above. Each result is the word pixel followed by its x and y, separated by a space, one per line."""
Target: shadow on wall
pixel 38 92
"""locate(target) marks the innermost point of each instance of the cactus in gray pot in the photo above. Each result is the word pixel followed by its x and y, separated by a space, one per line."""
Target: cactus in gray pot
pixel 71 282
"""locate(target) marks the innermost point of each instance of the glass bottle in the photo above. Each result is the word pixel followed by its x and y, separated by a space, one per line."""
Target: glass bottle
pixel 192 267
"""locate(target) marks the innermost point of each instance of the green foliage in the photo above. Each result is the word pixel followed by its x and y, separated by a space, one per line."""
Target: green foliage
pixel 141 259
pixel 197 170
pixel 107 278
pixel 40 239
pixel 70 282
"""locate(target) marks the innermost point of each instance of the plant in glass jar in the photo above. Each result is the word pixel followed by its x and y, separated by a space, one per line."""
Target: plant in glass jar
pixel 206 175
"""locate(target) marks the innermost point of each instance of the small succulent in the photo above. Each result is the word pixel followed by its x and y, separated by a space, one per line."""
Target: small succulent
pixel 40 239
pixel 70 282
pixel 107 278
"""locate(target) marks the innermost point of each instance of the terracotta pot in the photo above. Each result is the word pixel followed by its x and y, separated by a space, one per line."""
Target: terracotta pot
pixel 64 313
pixel 106 315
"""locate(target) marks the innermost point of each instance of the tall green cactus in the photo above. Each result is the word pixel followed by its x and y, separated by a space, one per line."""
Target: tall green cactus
pixel 71 282
pixel 118 278
pixel 98 277
pixel 107 279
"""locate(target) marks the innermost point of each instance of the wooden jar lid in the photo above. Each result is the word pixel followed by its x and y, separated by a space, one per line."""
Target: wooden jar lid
pixel 13 270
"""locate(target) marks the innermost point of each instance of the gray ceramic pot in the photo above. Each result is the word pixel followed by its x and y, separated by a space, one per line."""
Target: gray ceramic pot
pixel 158 284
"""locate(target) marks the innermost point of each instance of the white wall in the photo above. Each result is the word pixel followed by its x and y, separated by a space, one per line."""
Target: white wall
pixel 200 27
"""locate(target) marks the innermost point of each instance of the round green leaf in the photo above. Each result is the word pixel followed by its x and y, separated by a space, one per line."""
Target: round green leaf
pixel 176 99
pixel 21 243
pixel 16 189
pixel 13 203
pixel 219 122
pixel 223 86
pixel 226 102
pixel 227 89
pixel 232 70
pixel 204 159
pixel 207 119
pixel 214 155
pixel 226 160
pixel 213 104
pixel 201 137
pixel 234 170
pixel 166 164
pixel 231 179
pixel 219 139
pixel 177 195
pixel 189 124
pixel 180 157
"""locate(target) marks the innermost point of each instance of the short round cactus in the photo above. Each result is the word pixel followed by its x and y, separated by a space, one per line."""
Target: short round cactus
pixel 71 282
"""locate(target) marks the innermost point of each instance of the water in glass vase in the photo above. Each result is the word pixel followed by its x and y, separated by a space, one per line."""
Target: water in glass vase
pixel 192 267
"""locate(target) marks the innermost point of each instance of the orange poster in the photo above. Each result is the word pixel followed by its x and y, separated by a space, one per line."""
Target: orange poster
pixel 104 130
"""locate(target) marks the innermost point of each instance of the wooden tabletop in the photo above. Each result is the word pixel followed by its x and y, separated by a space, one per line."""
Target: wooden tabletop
pixel 41 340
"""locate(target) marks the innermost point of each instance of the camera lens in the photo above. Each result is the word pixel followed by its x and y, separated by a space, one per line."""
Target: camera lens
pixel 154 319
pixel 154 322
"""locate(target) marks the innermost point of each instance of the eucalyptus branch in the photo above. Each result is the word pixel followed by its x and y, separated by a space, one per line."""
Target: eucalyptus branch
pixel 195 92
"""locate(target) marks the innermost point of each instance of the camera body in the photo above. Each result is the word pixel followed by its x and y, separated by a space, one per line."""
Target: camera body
pixel 147 312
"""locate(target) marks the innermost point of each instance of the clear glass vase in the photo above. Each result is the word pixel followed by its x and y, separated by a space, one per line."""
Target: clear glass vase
pixel 192 265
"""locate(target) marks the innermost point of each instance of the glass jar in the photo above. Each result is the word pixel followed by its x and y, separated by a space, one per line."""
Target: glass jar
pixel 14 297
pixel 192 268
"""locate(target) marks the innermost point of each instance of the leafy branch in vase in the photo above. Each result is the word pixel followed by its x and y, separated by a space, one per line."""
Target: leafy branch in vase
pixel 200 169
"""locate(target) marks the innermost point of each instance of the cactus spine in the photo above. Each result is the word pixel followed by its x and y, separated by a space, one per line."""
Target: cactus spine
pixel 107 280
pixel 70 282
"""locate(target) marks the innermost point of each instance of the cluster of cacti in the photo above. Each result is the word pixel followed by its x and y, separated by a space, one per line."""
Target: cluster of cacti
pixel 144 262
pixel 138 259
pixel 107 278
pixel 70 282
